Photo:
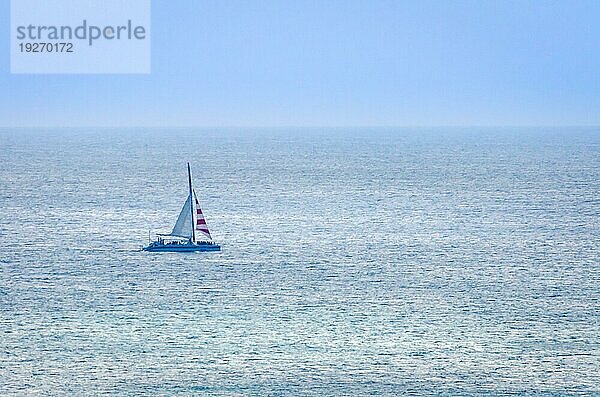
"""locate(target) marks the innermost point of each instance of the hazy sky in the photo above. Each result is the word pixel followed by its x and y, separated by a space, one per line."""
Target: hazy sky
pixel 370 62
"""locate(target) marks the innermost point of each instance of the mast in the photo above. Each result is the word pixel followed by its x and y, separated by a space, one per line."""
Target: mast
pixel 191 203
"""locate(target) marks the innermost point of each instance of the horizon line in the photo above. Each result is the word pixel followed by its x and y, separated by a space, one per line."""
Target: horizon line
pixel 305 126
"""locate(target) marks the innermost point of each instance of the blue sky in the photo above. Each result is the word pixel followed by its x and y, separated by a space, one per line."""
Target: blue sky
pixel 335 63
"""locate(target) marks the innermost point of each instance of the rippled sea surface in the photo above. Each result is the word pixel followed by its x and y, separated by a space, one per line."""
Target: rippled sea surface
pixel 354 262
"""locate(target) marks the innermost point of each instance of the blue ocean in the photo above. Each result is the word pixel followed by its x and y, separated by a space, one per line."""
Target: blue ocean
pixel 355 261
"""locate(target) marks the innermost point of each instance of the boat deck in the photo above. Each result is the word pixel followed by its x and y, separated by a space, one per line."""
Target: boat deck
pixel 200 247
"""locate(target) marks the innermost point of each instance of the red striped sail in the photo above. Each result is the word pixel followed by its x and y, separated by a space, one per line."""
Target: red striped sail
pixel 200 221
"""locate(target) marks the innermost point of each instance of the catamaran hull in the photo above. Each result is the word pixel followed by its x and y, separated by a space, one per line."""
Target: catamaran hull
pixel 182 248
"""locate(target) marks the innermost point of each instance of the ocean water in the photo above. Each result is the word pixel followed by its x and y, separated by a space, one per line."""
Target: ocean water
pixel 355 262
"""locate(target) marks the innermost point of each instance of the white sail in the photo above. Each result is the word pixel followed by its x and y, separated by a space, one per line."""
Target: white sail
pixel 183 226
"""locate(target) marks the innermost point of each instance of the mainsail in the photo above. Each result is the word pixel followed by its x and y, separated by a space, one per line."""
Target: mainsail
pixel 200 221
pixel 183 226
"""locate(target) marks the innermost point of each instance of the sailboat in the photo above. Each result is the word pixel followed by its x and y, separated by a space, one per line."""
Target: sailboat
pixel 190 232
